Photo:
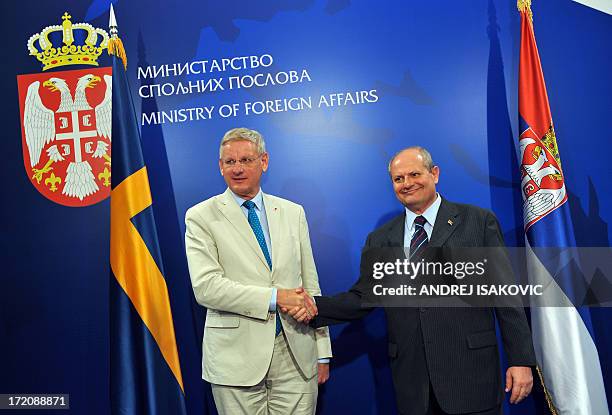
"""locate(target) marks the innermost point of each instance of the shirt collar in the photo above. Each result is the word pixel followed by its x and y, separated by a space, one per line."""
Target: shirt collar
pixel 430 214
pixel 258 199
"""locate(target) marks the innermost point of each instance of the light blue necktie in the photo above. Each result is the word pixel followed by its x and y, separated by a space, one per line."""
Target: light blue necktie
pixel 259 235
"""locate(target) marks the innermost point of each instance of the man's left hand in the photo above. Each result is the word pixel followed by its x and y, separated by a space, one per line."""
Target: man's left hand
pixel 323 372
pixel 519 380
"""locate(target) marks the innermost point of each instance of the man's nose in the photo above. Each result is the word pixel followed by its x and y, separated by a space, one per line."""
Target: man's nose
pixel 408 182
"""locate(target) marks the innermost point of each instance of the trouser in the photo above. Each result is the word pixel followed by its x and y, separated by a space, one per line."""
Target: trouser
pixel 434 407
pixel 284 390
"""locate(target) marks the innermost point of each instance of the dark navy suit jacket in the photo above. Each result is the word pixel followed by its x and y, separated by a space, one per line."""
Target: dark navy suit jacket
pixel 452 351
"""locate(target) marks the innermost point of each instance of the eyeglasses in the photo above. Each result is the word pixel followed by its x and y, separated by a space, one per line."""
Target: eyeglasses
pixel 244 162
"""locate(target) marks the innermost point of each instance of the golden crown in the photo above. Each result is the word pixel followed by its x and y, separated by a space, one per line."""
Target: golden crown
pixel 68 53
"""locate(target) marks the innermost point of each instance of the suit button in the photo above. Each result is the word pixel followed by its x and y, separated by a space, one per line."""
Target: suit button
pixel 271 316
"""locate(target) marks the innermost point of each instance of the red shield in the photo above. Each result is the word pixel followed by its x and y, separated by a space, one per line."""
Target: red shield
pixel 541 177
pixel 531 156
pixel 66 134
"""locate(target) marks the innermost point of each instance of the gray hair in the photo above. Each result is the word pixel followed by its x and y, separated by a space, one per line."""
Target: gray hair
pixel 243 134
pixel 425 155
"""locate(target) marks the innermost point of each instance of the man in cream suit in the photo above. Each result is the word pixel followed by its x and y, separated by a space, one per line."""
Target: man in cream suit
pixel 246 249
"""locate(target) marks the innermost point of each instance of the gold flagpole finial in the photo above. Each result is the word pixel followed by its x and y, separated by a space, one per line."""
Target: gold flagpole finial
pixel 525 6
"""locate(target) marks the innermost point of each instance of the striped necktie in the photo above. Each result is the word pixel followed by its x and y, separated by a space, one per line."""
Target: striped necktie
pixel 261 239
pixel 419 238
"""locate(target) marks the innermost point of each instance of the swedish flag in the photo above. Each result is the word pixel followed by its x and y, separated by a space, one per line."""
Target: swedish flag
pixel 145 369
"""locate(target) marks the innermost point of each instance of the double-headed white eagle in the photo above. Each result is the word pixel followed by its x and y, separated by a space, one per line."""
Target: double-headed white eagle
pixel 543 200
pixel 39 127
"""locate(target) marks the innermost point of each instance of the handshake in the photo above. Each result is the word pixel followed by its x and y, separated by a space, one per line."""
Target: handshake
pixel 297 303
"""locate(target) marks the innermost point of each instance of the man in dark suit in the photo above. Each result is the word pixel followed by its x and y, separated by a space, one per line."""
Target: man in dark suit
pixel 443 360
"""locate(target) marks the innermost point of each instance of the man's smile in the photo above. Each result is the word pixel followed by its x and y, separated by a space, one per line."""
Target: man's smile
pixel 410 191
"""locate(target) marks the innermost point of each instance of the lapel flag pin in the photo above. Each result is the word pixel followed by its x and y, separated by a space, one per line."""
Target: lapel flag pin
pixel 450 222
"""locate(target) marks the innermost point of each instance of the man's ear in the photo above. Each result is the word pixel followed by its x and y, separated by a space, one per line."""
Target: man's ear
pixel 264 161
pixel 435 170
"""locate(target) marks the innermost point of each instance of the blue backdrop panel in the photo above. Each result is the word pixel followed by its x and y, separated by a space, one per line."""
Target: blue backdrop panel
pixel 445 74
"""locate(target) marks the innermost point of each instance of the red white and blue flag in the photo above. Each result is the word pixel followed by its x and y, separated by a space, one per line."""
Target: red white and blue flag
pixel 565 349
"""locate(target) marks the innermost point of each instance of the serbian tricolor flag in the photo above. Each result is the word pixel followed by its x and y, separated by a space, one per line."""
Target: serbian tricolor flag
pixel 145 373
pixel 567 357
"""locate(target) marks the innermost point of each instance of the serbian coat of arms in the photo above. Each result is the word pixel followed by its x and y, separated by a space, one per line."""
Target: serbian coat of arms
pixel 66 117
pixel 541 175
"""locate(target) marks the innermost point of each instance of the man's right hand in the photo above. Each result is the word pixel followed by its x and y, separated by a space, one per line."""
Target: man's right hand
pixel 298 303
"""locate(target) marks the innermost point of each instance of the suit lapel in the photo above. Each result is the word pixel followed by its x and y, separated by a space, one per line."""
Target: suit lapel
pixel 273 214
pixel 396 230
pixel 447 221
pixel 234 215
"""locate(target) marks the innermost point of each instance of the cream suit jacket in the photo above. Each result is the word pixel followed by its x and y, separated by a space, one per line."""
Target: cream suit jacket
pixel 231 278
